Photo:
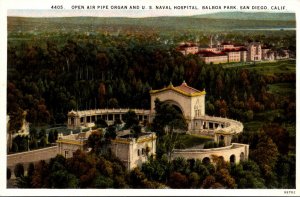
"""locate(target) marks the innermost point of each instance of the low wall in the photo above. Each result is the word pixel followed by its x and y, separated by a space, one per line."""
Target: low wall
pixel 32 156
pixel 236 150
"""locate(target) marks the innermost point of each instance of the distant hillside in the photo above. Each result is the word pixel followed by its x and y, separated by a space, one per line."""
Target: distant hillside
pixel 250 16
pixel 160 24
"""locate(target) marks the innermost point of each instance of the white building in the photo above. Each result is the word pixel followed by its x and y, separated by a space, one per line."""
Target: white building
pixel 131 151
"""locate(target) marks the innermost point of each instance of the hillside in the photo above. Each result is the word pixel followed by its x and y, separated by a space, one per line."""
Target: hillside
pixel 160 24
pixel 250 16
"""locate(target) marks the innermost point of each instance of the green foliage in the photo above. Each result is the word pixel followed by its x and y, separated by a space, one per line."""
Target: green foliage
pixel 247 175
pixel 130 119
pixel 20 143
pixel 94 141
pixel 137 178
pixel 113 103
pixel 178 180
pixel 49 77
pixel 193 180
pixel 30 169
pixel 110 132
pixel 19 170
pixel 103 182
pixel 23 182
pixel 100 123
pixel 285 170
pixel 200 169
pixel 221 143
pixel 169 25
pixel 15 147
pixel 167 119
pixel 43 142
pixel 33 144
pixel 180 165
pixel 51 137
pixel 8 173
pixel 188 140
pixel 211 144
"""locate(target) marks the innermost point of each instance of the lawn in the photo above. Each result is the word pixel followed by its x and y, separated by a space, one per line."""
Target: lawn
pixel 252 126
pixel 268 68
pixel 187 141
pixel 283 89
pixel 272 68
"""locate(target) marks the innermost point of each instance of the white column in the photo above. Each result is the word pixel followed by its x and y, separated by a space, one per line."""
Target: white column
pixel 69 121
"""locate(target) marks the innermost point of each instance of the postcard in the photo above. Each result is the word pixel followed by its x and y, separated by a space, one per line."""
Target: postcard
pixel 149 98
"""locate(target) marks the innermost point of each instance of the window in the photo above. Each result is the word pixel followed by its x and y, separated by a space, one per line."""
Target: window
pixel 138 152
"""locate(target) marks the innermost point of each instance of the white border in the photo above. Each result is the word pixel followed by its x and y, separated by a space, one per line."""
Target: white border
pixel 5 5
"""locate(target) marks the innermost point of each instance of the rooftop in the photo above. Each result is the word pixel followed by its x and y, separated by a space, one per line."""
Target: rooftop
pixel 205 53
pixel 235 49
pixel 182 89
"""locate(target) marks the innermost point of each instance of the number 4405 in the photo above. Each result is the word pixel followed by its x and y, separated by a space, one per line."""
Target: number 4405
pixel 57 7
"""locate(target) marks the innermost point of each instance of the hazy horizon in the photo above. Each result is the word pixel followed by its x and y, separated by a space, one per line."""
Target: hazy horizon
pixel 92 13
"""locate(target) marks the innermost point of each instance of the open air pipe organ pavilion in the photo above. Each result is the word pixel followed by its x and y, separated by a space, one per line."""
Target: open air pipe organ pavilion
pixel 191 102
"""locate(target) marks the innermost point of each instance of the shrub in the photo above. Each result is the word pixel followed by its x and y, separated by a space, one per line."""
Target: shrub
pixel 8 173
pixel 19 170
pixel 15 147
pixel 221 143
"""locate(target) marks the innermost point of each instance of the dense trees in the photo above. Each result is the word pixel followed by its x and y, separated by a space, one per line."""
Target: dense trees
pixel 168 123
pixel 78 73
pixel 49 77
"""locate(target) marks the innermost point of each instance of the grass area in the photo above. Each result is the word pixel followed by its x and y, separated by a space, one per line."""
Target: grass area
pixel 178 23
pixel 268 115
pixel 291 128
pixel 187 140
pixel 272 68
pixel 284 89
pixel 268 68
pixel 253 126
pixel 260 119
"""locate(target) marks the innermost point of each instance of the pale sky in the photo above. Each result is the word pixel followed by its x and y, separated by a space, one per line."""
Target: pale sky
pixel 34 8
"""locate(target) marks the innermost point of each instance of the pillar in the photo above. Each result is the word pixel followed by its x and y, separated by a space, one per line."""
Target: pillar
pixel 216 138
pixel 69 121
pixel 77 121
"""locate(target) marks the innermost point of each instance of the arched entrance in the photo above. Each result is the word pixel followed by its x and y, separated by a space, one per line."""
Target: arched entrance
pixel 221 138
pixel 176 105
pixel 242 156
pixel 190 101
pixel 232 159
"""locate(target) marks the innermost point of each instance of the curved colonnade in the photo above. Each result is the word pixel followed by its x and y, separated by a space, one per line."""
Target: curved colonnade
pixel 87 118
pixel 222 129
pixel 217 127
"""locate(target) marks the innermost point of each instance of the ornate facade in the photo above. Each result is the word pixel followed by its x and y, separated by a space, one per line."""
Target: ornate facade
pixel 191 102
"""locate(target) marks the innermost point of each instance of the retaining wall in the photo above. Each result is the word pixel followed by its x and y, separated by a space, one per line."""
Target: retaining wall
pixel 32 156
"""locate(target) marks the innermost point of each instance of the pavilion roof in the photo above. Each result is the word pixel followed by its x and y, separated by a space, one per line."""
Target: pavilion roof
pixel 182 89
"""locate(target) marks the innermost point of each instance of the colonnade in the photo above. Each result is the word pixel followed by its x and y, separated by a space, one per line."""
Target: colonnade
pixel 76 119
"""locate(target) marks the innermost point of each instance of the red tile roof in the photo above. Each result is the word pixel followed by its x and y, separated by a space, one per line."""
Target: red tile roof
pixel 210 54
pixel 187 89
pixel 182 89
pixel 235 49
